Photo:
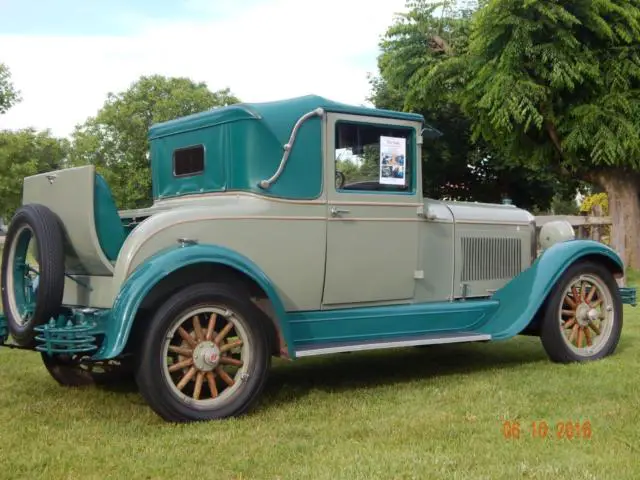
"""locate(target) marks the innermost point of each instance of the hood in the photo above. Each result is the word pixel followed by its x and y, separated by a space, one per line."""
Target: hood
pixel 489 213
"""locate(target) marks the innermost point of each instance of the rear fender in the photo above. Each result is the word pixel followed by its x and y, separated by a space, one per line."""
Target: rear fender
pixel 157 267
pixel 522 297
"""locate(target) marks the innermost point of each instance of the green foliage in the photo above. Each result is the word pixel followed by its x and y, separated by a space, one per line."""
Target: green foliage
pixel 9 96
pixel 115 140
pixel 564 206
pixel 23 153
pixel 424 67
pixel 555 84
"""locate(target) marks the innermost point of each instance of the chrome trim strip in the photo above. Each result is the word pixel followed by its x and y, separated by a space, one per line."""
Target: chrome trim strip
pixel 264 184
pixel 403 343
pixel 491 222
pixel 195 197
pixel 373 204
pixel 372 219
pixel 167 202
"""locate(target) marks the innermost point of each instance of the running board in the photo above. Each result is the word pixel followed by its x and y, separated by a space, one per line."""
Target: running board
pixel 341 347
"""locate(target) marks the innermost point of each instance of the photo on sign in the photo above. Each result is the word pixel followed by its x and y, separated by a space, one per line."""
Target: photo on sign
pixel 393 154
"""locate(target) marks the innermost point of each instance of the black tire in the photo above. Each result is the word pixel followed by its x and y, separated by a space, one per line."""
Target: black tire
pixel 151 376
pixel 49 239
pixel 71 371
pixel 551 332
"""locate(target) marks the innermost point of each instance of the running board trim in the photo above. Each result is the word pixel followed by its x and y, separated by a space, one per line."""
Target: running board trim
pixel 357 347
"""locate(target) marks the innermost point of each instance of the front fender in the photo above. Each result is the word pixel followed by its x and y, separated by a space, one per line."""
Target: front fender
pixel 154 269
pixel 521 298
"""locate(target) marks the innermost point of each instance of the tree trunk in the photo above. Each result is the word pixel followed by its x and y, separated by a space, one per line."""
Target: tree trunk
pixel 624 209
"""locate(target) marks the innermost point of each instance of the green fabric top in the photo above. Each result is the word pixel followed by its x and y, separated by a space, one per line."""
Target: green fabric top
pixel 243 145
pixel 279 116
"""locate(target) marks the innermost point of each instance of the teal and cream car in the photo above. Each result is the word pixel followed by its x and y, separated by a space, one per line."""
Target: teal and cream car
pixel 288 229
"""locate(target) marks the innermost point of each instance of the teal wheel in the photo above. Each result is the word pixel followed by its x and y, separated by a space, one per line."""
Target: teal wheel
pixel 32 271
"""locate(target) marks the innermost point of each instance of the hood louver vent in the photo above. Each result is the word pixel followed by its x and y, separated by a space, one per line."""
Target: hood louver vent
pixel 490 258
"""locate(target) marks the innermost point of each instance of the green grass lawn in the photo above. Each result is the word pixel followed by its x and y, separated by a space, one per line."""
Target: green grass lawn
pixel 435 412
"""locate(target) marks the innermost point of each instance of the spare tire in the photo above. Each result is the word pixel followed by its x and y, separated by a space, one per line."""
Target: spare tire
pixel 32 295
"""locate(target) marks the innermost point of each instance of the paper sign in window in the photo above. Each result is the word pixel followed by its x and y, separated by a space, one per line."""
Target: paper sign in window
pixel 393 159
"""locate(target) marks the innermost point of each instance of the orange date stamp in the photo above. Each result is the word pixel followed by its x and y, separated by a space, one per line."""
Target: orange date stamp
pixel 560 430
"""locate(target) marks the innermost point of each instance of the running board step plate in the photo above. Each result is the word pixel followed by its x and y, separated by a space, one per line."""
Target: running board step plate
pixel 341 347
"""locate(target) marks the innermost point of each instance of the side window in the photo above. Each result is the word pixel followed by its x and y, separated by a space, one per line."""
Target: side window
pixel 188 161
pixel 373 157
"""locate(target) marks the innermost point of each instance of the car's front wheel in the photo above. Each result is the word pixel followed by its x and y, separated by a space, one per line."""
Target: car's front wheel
pixel 204 356
pixel 583 316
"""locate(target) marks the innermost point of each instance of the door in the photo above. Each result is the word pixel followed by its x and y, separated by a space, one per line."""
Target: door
pixel 372 210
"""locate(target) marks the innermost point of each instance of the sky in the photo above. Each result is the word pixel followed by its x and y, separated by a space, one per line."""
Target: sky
pixel 65 56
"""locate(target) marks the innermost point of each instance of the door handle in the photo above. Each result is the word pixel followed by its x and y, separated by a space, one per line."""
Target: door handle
pixel 337 211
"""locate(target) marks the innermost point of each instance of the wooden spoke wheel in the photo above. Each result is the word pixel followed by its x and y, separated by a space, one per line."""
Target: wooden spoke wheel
pixel 204 356
pixel 583 318
pixel 586 315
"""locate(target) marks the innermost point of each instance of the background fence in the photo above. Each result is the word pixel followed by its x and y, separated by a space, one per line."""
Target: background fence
pixel 586 227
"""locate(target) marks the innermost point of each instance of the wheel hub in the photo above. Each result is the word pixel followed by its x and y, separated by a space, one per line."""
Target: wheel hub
pixel 206 356
pixel 584 314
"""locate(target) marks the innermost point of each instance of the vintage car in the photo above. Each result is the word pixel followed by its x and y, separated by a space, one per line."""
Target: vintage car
pixel 275 232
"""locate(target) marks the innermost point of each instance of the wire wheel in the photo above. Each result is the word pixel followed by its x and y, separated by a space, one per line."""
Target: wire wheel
pixel 586 315
pixel 206 356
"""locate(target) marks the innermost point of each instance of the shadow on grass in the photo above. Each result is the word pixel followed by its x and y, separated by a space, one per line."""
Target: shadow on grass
pixel 371 369
pixel 289 381
pixel 376 368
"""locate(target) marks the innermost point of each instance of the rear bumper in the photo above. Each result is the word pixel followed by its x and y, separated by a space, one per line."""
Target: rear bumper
pixel 80 331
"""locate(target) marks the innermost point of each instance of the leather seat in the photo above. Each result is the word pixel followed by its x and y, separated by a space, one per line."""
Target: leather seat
pixel 111 232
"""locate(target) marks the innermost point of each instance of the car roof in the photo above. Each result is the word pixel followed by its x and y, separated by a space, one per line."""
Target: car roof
pixel 280 116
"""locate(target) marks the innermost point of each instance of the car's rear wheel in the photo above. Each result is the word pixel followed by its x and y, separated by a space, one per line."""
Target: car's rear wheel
pixel 32 271
pixel 583 316
pixel 204 356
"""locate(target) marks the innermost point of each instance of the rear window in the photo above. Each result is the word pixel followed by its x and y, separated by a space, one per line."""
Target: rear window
pixel 188 161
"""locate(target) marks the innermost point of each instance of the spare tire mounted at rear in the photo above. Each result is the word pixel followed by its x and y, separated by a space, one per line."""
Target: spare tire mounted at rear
pixel 32 282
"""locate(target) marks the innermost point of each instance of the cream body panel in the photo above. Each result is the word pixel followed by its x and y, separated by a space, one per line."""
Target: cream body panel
pixel 98 295
pixel 286 240
pixel 489 213
pixel 436 254
pixel 69 194
pixel 372 245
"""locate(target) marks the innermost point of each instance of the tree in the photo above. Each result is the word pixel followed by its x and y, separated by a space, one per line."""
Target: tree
pixel 115 140
pixel 456 166
pixel 9 96
pixel 555 86
pixel 24 153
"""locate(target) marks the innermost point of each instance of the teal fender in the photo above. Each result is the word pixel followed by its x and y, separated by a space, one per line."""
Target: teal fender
pixel 157 267
pixel 521 298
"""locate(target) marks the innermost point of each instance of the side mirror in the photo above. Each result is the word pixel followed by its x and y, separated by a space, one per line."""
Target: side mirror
pixel 430 133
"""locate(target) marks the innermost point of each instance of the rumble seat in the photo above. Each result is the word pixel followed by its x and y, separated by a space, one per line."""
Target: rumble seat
pixel 82 200
pixel 111 233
